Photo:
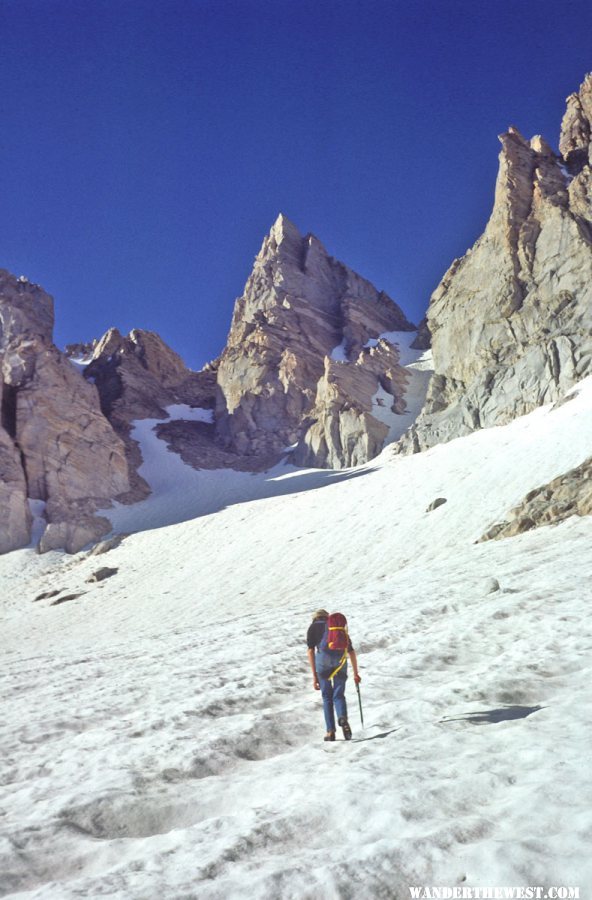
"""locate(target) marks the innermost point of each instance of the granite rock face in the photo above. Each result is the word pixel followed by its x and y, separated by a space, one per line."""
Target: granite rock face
pixel 55 444
pixel 511 322
pixel 26 311
pixel 346 430
pixel 276 381
pixel 576 128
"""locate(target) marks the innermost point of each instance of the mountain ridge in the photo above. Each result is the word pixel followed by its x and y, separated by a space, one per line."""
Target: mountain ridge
pixel 312 367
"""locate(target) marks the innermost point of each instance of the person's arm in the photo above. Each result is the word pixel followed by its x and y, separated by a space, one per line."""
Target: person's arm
pixel 311 659
pixel 354 662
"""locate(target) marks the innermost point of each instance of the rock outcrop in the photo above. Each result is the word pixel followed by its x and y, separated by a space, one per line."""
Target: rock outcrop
pixel 511 322
pixel 80 352
pixel 196 445
pixel 568 495
pixel 276 378
pixel 138 376
pixel 55 444
pixel 16 519
pixel 423 341
pixel 346 429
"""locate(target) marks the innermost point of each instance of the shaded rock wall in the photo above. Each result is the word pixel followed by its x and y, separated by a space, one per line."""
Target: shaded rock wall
pixel 138 376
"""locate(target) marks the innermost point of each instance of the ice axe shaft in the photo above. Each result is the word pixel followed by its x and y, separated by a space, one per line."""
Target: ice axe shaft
pixel 360 704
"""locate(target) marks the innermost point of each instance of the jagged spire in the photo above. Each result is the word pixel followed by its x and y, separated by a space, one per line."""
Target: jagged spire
pixel 576 127
pixel 283 223
pixel 284 229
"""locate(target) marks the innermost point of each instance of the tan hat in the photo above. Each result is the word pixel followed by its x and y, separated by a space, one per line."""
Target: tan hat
pixel 320 614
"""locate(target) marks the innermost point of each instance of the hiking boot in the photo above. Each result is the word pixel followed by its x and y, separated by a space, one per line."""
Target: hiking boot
pixel 330 736
pixel 347 732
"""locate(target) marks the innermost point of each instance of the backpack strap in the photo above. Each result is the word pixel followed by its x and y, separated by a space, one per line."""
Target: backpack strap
pixel 342 662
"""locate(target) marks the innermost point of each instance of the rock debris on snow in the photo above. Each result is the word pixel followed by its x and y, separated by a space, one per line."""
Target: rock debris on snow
pixel 102 574
pixel 439 501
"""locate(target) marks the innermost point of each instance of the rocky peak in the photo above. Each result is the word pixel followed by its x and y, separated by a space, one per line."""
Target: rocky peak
pixel 528 170
pixel 511 320
pixel 157 357
pixel 576 127
pixel 284 239
pixel 298 305
pixel 112 342
pixel 275 378
pixel 138 375
pixel 26 310
pixel 289 266
pixel 147 348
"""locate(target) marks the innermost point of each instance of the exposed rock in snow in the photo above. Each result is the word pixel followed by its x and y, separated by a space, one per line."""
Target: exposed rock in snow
pixel 110 544
pixel 491 586
pixel 101 574
pixel 568 495
pixel 439 501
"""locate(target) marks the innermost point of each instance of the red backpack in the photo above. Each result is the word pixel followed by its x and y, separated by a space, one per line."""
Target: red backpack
pixel 335 637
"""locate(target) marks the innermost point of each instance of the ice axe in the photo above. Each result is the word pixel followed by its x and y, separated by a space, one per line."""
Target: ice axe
pixel 360 704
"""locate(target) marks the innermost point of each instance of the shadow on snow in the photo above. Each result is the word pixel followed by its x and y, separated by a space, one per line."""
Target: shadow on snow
pixel 493 716
pixel 210 492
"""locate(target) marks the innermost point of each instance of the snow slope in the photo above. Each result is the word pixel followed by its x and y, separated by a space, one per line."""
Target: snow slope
pixel 160 736
pixel 180 492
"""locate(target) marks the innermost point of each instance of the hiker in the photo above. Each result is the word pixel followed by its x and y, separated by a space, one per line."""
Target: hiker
pixel 329 667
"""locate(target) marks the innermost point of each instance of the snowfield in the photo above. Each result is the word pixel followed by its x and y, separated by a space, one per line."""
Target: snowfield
pixel 160 736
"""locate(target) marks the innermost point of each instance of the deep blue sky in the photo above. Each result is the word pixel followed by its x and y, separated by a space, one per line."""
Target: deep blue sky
pixel 148 145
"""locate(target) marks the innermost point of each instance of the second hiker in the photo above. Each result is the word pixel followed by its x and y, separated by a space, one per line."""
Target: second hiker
pixel 329 646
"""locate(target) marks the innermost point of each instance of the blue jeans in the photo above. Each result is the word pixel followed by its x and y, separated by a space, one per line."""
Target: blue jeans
pixel 333 697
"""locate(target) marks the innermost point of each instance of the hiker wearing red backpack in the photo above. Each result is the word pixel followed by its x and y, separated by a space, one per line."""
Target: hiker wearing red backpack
pixel 329 646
